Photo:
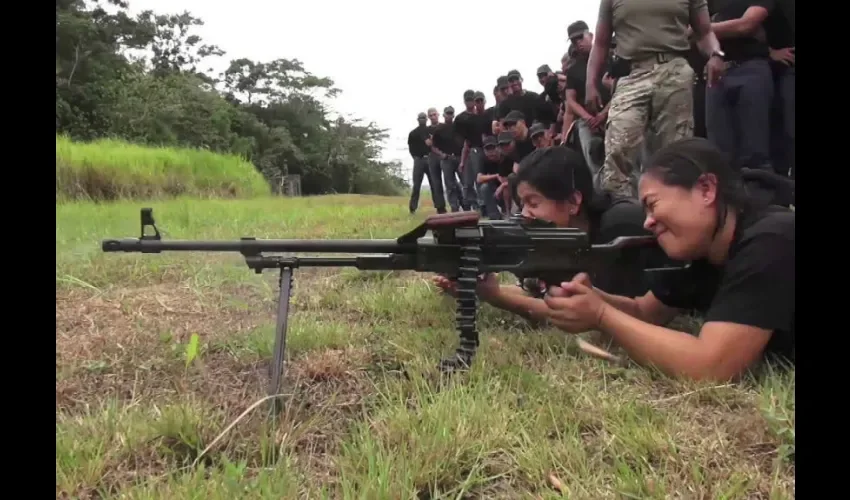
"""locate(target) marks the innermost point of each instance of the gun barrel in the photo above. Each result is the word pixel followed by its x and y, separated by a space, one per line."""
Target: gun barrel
pixel 248 245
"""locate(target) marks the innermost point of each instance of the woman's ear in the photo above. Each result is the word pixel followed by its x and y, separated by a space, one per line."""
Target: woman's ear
pixel 575 203
pixel 707 186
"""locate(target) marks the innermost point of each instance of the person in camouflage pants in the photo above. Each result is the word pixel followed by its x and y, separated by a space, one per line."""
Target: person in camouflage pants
pixel 654 102
pixel 653 98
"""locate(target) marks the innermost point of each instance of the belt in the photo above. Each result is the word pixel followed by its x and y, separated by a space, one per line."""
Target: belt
pixel 657 58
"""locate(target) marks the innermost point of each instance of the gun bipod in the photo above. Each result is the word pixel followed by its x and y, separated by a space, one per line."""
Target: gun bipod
pixel 279 351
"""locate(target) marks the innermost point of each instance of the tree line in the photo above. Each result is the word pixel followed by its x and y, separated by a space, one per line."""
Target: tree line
pixel 140 78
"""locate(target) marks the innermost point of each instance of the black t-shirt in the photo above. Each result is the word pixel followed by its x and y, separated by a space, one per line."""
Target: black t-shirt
pixel 431 129
pixel 487 118
pixel 547 111
pixel 503 167
pixel 416 141
pixel 521 149
pixel 577 78
pixel 626 274
pixel 755 287
pixel 447 140
pixel 528 103
pixel 779 34
pixel 468 126
pixel 740 48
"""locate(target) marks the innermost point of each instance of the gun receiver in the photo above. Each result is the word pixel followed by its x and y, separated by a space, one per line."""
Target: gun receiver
pixel 457 245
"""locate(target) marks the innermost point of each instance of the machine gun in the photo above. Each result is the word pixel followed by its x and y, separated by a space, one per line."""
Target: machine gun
pixel 458 245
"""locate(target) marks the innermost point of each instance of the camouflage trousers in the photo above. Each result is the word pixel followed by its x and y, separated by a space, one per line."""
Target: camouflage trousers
pixel 654 102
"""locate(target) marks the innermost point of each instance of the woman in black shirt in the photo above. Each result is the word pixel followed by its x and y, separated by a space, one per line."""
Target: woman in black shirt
pixel 555 184
pixel 741 276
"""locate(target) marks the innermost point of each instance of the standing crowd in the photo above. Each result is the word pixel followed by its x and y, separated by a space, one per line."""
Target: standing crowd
pixel 675 119
pixel 653 73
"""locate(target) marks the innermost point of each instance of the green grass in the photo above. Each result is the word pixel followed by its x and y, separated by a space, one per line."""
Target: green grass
pixel 112 169
pixel 365 414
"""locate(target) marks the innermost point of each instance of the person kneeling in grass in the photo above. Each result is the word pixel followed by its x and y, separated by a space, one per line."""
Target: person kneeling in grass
pixel 740 278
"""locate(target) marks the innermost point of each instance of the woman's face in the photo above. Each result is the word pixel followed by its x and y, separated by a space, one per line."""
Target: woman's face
pixel 537 206
pixel 682 219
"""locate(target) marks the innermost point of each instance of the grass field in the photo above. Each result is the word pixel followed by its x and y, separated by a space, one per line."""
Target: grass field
pixel 143 412
pixel 112 169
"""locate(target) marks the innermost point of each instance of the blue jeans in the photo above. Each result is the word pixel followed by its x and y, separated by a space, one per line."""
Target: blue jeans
pixel 449 167
pixel 737 113
pixel 435 180
pixel 783 133
pixel 487 192
pixel 471 196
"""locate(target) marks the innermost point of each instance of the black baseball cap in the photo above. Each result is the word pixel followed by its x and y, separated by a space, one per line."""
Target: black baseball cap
pixel 536 128
pixel 490 141
pixel 544 70
pixel 514 73
pixel 502 81
pixel 449 110
pixel 468 95
pixel 479 95
pixel 576 29
pixel 514 116
pixel 505 137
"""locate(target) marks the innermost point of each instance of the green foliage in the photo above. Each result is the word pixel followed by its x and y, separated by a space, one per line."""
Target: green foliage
pixel 111 169
pixel 138 79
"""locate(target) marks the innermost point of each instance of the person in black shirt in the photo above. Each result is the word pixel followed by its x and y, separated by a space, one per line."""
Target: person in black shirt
pixel 448 146
pixel 492 113
pixel 543 74
pixel 515 124
pixel 741 276
pixel 555 185
pixel 468 128
pixel 737 109
pixel 780 37
pixel 588 125
pixel 494 172
pixel 538 136
pixel 548 100
pixel 524 101
pixel 435 179
pixel 420 151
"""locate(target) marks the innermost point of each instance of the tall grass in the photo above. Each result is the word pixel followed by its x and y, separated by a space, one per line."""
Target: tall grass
pixel 112 169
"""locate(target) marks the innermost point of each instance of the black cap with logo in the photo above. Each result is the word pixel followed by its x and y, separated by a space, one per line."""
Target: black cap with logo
pixel 577 29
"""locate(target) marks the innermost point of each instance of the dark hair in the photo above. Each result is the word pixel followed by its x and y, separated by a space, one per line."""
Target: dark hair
pixel 558 172
pixel 683 163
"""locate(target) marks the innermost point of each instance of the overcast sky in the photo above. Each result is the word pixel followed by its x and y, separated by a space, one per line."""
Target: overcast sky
pixel 392 59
